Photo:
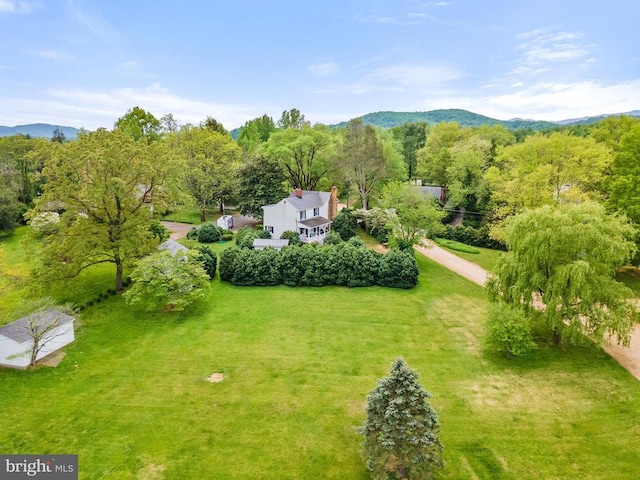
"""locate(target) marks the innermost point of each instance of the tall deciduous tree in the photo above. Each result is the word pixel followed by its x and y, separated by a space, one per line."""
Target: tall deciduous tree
pixel 214 125
pixel 434 157
pixel 261 183
pixel 401 432
pixel 362 159
pixel 211 161
pixel 560 267
pixel 19 160
pixel 624 184
pixel 412 137
pixel 256 132
pixel 103 181
pixel 304 154
pixel 546 170
pixel 139 124
pixel 417 215
pixel 292 119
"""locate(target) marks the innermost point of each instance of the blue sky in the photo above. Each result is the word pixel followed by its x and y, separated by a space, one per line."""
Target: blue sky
pixel 83 63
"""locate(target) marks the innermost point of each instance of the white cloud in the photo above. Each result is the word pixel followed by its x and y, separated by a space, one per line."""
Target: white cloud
pixel 550 101
pixel 325 69
pixel 413 76
pixel 13 6
pixel 94 109
pixel 542 46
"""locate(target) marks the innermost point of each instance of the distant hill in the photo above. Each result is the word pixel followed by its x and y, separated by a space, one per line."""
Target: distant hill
pixel 463 117
pixel 43 130
pixel 597 118
pixel 470 119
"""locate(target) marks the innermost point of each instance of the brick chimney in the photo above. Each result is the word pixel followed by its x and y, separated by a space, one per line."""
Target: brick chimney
pixel 333 203
pixel 298 192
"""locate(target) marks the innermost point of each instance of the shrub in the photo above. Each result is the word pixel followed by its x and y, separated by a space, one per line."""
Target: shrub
pixel 228 263
pixel 245 237
pixel 208 259
pixel 345 224
pixel 477 237
pixel 226 237
pixel 264 234
pixel 356 242
pixel 398 269
pixel 209 233
pixel 508 330
pixel 333 238
pixel 293 237
pixel 193 234
pixel 45 223
pixel 159 231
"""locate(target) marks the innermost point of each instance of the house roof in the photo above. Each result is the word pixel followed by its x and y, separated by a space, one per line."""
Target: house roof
pixel 20 330
pixel 315 222
pixel 173 247
pixel 309 199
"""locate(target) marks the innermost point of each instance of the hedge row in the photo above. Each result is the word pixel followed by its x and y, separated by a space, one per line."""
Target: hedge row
pixel 477 237
pixel 344 264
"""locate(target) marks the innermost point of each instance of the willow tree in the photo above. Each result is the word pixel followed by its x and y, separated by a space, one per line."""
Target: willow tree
pixel 560 268
pixel 104 183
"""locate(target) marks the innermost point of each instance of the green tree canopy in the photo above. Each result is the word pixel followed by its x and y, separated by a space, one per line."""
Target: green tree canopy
pixel 417 215
pixel 546 170
pixel 210 160
pixel 256 132
pixel 401 432
pixel 262 182
pixel 304 154
pixel 162 280
pixel 292 119
pixel 560 268
pixel 104 182
pixel 361 158
pixel 434 157
pixel 139 124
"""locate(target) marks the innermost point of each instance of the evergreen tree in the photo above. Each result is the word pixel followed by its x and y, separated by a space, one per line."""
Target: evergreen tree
pixel 401 429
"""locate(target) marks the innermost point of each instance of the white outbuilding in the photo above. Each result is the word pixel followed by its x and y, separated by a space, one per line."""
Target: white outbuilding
pixel 49 330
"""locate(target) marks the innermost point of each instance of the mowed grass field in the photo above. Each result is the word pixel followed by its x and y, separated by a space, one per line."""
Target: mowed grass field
pixel 132 400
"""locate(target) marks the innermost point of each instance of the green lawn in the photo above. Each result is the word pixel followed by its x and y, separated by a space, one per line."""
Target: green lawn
pixel 487 257
pixel 191 215
pixel 131 399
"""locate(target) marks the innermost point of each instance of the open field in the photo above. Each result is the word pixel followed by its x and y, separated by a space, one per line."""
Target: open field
pixel 131 396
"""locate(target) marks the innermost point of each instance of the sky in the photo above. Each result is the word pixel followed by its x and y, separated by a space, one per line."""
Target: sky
pixel 84 63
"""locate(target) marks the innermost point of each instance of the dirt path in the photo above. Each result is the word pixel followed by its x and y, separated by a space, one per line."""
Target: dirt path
pixel 628 357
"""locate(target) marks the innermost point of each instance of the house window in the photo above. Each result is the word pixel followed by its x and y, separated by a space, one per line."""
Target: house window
pixel 316 212
pixel 268 228
pixel 303 214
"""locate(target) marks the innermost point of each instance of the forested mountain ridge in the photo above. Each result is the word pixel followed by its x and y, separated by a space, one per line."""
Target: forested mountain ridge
pixel 465 118
pixel 38 130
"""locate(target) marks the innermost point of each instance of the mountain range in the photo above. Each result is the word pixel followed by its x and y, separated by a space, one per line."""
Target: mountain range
pixel 379 119
pixel 40 130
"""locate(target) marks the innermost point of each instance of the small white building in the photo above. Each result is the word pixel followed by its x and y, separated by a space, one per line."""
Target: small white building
pixel 225 221
pixel 307 212
pixel 53 329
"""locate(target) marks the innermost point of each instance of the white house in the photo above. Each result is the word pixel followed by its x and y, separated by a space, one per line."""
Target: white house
pixel 52 329
pixel 307 212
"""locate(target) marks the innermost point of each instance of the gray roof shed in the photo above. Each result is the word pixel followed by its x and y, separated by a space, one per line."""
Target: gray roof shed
pixel 19 331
